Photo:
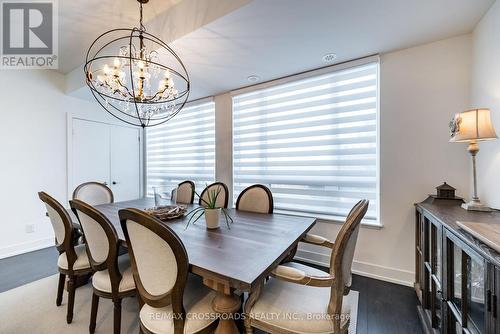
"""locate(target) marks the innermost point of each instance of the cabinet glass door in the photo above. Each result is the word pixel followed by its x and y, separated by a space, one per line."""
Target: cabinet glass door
pixel 467 282
pixel 476 296
pixel 456 278
pixel 432 268
pixel 438 256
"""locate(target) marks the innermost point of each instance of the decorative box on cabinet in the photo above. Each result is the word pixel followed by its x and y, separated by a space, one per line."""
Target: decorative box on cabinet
pixel 457 277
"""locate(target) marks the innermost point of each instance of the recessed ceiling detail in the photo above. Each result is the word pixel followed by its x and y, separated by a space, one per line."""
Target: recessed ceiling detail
pixel 329 57
pixel 253 78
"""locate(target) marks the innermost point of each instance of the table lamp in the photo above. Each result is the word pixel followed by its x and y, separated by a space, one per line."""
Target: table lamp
pixel 473 126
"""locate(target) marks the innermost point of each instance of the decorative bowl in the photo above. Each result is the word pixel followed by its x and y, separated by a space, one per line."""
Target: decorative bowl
pixel 167 212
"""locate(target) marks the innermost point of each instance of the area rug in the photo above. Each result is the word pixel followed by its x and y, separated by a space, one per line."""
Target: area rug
pixel 31 308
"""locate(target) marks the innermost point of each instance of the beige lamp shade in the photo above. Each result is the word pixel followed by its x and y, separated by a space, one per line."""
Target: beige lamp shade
pixel 472 125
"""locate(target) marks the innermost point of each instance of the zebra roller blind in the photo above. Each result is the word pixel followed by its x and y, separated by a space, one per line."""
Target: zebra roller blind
pixel 312 141
pixel 182 149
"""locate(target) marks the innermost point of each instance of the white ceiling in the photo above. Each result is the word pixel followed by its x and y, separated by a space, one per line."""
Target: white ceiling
pixel 275 38
pixel 81 21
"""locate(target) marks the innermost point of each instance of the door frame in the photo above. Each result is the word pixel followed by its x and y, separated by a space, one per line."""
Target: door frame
pixel 69 149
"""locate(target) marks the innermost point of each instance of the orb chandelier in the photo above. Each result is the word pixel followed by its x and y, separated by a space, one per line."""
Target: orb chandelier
pixel 135 76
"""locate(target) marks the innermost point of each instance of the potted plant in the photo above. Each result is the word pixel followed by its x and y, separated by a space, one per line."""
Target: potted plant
pixel 211 211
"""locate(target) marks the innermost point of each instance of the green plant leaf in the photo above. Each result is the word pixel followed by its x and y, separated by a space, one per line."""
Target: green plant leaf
pixel 227 218
pixel 193 213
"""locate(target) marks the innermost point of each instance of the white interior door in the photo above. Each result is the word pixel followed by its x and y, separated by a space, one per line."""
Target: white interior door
pixel 91 152
pixel 125 162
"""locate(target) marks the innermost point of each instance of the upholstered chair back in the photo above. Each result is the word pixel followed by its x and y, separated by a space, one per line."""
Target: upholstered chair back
pixel 185 192
pixel 342 257
pixel 57 224
pixel 93 193
pixel 159 260
pixel 62 225
pixel 256 198
pixel 345 244
pixel 222 198
pixel 101 237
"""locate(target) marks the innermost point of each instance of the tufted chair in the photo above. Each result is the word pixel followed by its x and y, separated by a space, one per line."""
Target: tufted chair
pixel 113 276
pixel 184 193
pixel 93 193
pixel 222 198
pixel 256 198
pixel 300 290
pixel 73 261
pixel 173 299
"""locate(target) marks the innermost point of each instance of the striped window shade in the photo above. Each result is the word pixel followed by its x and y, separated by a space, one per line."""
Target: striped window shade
pixel 182 149
pixel 312 141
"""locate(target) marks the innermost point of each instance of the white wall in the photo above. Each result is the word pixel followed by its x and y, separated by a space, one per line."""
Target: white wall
pixel 485 92
pixel 33 153
pixel 421 88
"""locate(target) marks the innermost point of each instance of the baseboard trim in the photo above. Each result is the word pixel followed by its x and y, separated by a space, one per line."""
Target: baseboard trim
pixel 388 274
pixel 26 247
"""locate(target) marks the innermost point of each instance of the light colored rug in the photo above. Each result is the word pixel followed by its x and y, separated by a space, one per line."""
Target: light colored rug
pixel 31 308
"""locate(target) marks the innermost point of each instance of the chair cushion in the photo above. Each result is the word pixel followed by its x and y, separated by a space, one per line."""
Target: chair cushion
pixel 102 282
pixel 197 302
pixel 297 308
pixel 309 270
pixel 82 261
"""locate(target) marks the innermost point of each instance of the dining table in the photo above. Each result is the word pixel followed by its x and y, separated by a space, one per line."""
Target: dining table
pixel 231 260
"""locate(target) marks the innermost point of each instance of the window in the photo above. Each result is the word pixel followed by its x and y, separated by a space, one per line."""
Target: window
pixel 312 141
pixel 182 149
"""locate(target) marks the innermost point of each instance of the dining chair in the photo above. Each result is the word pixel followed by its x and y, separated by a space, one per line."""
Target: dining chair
pixel 259 198
pixel 73 261
pixel 296 291
pixel 174 301
pixel 94 193
pixel 256 198
pixel 112 273
pixel 184 193
pixel 222 198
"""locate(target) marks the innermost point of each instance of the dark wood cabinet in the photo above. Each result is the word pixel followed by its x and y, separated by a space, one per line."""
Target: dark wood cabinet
pixel 457 277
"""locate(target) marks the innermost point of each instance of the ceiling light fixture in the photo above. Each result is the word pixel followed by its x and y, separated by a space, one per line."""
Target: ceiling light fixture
pixel 253 78
pixel 135 76
pixel 329 57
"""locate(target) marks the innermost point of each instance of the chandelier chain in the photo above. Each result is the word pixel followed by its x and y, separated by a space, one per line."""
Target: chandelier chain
pixel 142 28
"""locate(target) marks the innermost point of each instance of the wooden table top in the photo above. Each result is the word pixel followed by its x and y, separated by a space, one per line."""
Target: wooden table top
pixel 242 255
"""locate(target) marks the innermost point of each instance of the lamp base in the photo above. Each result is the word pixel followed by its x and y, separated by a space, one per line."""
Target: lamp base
pixel 475 205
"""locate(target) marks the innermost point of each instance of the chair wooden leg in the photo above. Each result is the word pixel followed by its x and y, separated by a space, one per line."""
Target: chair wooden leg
pixel 93 312
pixel 71 298
pixel 248 327
pixel 117 315
pixel 60 289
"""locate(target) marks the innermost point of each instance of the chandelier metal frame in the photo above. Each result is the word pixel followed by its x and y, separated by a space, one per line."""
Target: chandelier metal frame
pixel 130 96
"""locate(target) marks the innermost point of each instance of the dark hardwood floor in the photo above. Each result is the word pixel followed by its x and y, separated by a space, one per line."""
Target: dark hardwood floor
pixel 22 269
pixel 383 307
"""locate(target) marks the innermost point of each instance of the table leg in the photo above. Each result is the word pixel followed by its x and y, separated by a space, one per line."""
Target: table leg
pixel 226 305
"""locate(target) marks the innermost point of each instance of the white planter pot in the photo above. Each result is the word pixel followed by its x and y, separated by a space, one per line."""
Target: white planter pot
pixel 212 218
